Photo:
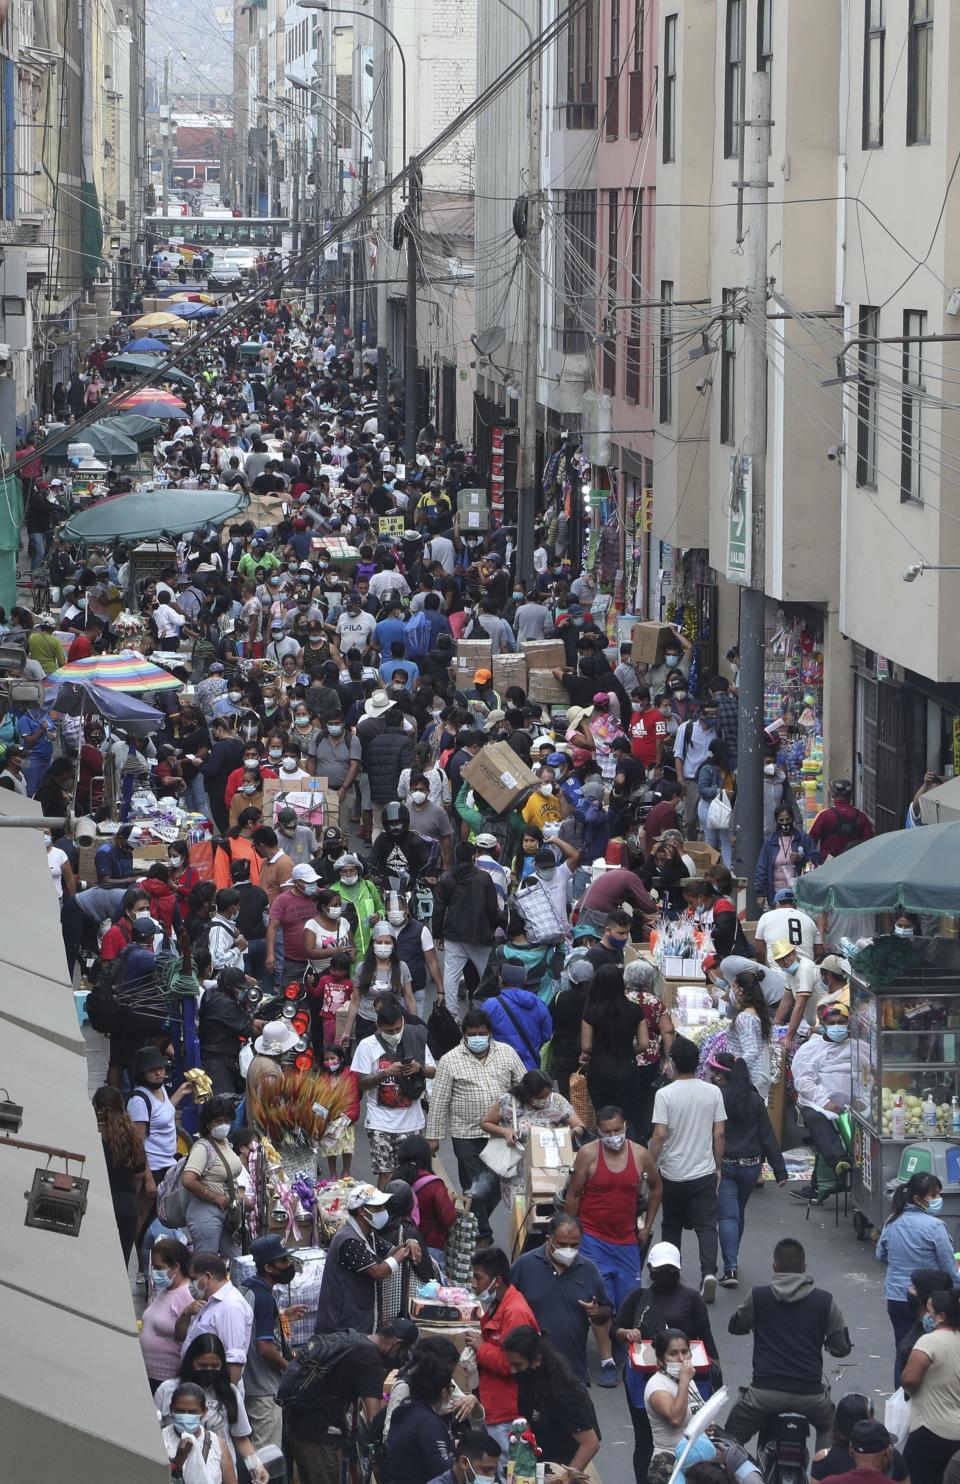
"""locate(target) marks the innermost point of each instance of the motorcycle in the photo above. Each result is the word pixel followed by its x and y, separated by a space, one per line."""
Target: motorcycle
pixel 783 1454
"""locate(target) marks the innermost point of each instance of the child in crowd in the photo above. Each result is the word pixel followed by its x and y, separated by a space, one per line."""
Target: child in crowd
pixel 340 1136
pixel 330 993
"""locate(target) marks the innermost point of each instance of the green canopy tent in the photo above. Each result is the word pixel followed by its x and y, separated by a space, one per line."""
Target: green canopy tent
pixel 138 427
pixel 153 513
pixel 913 870
pixel 135 365
pixel 106 440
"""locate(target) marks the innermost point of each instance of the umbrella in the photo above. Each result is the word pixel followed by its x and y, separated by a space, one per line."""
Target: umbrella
pixel 144 343
pixel 138 427
pixel 155 321
pixel 194 311
pixel 83 697
pixel 153 513
pixel 941 804
pixel 915 870
pixel 127 671
pixel 106 440
pixel 192 298
pixel 154 394
pixel 155 406
pixel 137 364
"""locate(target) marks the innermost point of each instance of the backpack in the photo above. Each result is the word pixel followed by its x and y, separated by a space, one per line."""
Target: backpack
pixel 845 828
pixel 103 1012
pixel 416 635
pixel 171 1196
pixel 475 629
pixel 311 1365
pixel 443 1031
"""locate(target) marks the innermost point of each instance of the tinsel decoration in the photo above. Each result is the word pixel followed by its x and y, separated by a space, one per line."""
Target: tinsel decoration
pixel 296 1107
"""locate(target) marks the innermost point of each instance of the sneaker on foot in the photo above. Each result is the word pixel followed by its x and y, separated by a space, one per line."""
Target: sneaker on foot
pixel 729 1279
pixel 608 1374
pixel 708 1288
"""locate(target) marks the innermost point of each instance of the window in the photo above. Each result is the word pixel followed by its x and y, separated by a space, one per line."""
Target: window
pixel 581 81
pixel 669 89
pixel 874 41
pixel 635 79
pixel 867 398
pixel 911 416
pixel 576 265
pixel 632 373
pixel 764 35
pixel 919 71
pixel 611 112
pixel 613 254
pixel 733 80
pixel 665 368
pixel 728 368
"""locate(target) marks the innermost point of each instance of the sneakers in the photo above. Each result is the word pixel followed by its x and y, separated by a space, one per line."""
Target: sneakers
pixel 729 1279
pixel 608 1374
pixel 708 1288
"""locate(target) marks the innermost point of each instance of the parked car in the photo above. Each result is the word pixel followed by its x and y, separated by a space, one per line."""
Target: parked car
pixel 224 274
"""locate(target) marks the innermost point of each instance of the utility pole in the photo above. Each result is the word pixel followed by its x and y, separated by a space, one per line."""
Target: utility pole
pixel 527 461
pixel 752 624
pixel 295 187
pixel 166 134
pixel 410 360
pixel 382 163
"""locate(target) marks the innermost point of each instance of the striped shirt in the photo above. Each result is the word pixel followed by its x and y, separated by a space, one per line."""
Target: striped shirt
pixel 465 1086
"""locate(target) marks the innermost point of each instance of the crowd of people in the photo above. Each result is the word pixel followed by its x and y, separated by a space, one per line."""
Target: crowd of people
pixel 471 973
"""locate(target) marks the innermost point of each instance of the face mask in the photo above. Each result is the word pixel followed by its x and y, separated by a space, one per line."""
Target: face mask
pixel 162 1279
pixel 517 597
pixel 785 827
pixel 418 798
pixel 310 888
pixel 835 1032
pixel 48 839
pixel 176 861
pixel 664 1279
pixel 383 950
pixel 287 1274
pixel 234 695
pixel 673 1368
pixel 671 661
pixel 379 1219
pixel 276 753
pixel 935 1205
pixel 349 880
pixel 929 1323
pixel 219 1130
pixel 900 932
pixel 487 1300
pixel 546 873
pixel 289 764
pixel 335 731
pixel 546 788
pixel 790 968
pixel 566 1255
pixel 478 1044
pixel 302 719
pixel 195 1290
pixel 708 723
pixel 333 912
pixel 186 1421
pixel 396 919
pixel 769 769
pixel 248 788
pixel 613 1141
pixel 391 1040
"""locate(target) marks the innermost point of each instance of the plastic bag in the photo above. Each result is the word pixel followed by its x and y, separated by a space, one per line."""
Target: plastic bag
pixel 896 1416
pixel 719 812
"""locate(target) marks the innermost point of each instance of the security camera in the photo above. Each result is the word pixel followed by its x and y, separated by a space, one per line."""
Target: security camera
pixel 912 573
pixel 704 383
pixel 835 453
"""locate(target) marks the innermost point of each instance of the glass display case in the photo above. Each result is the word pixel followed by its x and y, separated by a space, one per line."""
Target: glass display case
pixel 905 1030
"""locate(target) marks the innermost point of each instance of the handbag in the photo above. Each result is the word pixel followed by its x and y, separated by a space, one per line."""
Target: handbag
pixel 233 1215
pixel 719 812
pixel 500 1156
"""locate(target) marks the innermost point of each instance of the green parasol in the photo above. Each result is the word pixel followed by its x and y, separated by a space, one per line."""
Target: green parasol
pixel 152 513
pixel 135 365
pixel 914 870
pixel 106 440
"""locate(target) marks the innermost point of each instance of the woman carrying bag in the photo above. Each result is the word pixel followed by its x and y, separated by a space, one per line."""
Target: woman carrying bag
pixel 210 1175
pixel 530 1103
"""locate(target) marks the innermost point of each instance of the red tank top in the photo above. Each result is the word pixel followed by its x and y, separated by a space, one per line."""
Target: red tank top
pixel 608 1206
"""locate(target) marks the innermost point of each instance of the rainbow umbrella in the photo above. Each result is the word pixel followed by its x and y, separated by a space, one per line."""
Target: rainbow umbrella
pixel 127 671
pixel 154 402
pixel 154 394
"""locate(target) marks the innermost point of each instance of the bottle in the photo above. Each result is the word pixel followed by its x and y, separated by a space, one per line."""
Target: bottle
pixel 955 1117
pixel 898 1120
pixel 928 1118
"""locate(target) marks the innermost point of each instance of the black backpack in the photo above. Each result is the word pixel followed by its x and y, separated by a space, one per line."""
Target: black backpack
pixel 302 1381
pixel 443 1031
pixel 103 1012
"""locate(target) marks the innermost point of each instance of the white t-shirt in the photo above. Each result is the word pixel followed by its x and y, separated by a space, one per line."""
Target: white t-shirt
pixel 369 1056
pixel 160 1144
pixel 56 860
pixel 355 629
pixel 665 1436
pixel 169 623
pixel 792 926
pixel 689 1109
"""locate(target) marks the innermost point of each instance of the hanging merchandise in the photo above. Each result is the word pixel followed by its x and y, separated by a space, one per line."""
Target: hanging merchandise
pixel 793 701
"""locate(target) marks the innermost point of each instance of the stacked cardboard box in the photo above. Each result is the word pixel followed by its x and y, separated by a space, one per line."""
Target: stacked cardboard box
pixel 472 655
pixel 548 1159
pixel 544 686
pixel 508 670
pixel 498 775
pixel 649 642
pixel 545 654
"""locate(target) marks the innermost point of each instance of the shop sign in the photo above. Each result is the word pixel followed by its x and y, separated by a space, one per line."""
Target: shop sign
pixel 739 516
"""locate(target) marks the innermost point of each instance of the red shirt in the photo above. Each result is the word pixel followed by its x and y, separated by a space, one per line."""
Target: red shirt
pixel 608 1206
pixel 838 828
pixel 115 940
pixel 80 648
pixel 292 911
pixel 615 887
pixel 437 1213
pixel 498 1388
pixel 647 730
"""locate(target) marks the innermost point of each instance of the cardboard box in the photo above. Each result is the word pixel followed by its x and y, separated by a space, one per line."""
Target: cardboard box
pixel 649 642
pixel 473 655
pixel 508 670
pixel 549 1149
pixel 458 1334
pixel 545 654
pixel 498 775
pixel 544 686
pixel 702 855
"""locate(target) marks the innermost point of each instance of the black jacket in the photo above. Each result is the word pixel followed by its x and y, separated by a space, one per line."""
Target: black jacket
pixel 384 758
pixel 465 906
pixel 223 1024
pixel 651 1311
pixel 753 1135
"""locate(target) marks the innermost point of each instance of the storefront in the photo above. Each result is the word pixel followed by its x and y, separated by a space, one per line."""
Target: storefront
pixel 904 725
pixel 793 699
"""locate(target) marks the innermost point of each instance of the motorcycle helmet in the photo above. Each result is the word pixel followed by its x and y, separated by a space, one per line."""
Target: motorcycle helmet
pixel 396 819
pixel 401 1198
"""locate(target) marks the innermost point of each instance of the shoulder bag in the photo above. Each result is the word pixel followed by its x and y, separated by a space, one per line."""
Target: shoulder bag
pixel 500 1156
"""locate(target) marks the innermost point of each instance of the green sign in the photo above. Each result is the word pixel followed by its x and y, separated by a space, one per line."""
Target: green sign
pixel 739 500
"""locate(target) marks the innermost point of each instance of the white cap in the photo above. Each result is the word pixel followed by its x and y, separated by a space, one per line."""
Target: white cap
pixel 664 1255
pixel 366 1195
pixel 304 873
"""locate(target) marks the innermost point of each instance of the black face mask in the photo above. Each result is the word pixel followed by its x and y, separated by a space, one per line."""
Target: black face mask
pixel 784 829
pixel 664 1279
pixel 287 1274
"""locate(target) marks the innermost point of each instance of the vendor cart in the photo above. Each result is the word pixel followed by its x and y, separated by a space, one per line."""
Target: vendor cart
pixel 905 1034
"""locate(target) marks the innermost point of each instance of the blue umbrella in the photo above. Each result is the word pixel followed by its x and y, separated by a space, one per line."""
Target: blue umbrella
pixel 194 311
pixel 145 343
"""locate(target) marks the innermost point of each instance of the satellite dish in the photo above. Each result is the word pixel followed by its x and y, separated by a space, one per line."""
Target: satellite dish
pixel 489 340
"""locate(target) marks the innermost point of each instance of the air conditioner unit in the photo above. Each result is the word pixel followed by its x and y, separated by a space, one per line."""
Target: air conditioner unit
pixel 108 72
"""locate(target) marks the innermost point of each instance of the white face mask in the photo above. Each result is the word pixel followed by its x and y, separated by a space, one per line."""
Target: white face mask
pixel 333 912
pixel 566 1255
pixel 349 880
pixel 546 788
pixel 289 764
pixel 234 695
pixel 901 932
pixel 391 1040
pixel 418 798
pixel 613 1141
pixel 379 1219
pixel 396 919
pixel 383 950
pixel 219 1130
pixel 335 731
pixel 673 1368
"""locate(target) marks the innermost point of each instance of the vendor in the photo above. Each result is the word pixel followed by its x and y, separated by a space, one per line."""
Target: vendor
pixel 822 1073
pixel 358 1261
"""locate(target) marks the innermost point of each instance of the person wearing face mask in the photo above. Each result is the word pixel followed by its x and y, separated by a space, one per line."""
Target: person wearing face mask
pixel 476 1460
pixel 805 992
pixel 784 855
pixel 195 1453
pixel 225 755
pixel 204 1364
pixel 907 925
pixel 400 853
pixel 671 1398
pixel 297 841
pixel 667 1304
pixel 170 1287
pixel 268 1355
pixel 544 805
pixel 913 1236
pixel 565 1290
pixel 362 895
pixel 331 753
pixel 503 1309
pixel 290 912
pixel 429 820
pixel 677 654
pixel 415 948
pixel 392 1067
pixel 359 1260
pixel 380 971
pixel 291 773
pixel 214 1204
pixel 225 1027
pixel 823 1075
pixel 155 1119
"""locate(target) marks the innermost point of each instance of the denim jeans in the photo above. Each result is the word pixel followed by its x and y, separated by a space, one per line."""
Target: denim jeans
pixel 716 839
pixel 736 1187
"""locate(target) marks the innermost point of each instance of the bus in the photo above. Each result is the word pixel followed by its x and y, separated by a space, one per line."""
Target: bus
pixel 217 232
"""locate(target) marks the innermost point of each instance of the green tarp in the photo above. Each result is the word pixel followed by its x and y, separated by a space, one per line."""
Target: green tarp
pixel 11 519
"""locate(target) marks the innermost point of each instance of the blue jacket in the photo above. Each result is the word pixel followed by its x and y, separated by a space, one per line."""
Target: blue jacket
pixel 530 1013
pixel 801 844
pixel 914 1240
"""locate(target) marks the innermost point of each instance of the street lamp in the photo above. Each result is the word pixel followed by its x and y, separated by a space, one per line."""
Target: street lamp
pixel 352 117
pixel 912 573
pixel 376 21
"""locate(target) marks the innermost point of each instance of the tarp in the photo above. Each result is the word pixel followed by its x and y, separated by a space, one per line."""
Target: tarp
pixel 84 698
pixel 11 517
pixel 135 365
pixel 915 870
pixel 153 513
pixel 140 428
pixel 940 805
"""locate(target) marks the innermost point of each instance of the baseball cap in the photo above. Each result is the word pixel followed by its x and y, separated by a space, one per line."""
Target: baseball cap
pixel 513 976
pixel 586 930
pixel 545 856
pixel 870 1436
pixel 304 873
pixel 486 842
pixel 785 894
pixel 581 971
pixel 834 964
pixel 268 1249
pixel 663 1255
pixel 366 1195
pixel 556 759
pixel 482 676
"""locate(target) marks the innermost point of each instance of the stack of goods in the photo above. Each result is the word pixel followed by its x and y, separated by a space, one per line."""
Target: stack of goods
pixel 693 1008
pixel 499 776
pixel 438 1303
pixel 330 1204
pixel 472 655
pixel 543 656
pixel 548 1157
pixel 461 1245
pixel 305 1290
pixel 509 670
pixel 338 550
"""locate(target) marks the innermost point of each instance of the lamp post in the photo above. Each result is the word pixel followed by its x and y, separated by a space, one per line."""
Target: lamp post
pixel 912 573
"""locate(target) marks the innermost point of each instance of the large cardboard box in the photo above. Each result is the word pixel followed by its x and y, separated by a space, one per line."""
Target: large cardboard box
pixel 549 1149
pixel 701 854
pixel 498 775
pixel 649 642
pixel 544 686
pixel 508 670
pixel 545 654
pixel 473 655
